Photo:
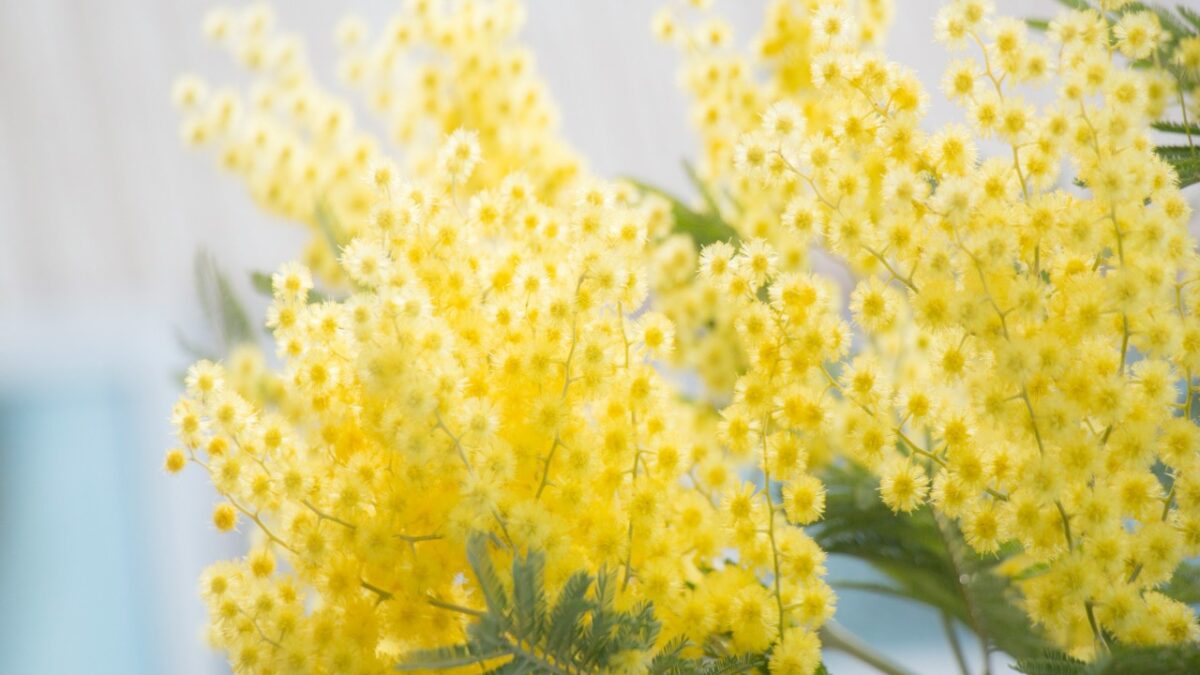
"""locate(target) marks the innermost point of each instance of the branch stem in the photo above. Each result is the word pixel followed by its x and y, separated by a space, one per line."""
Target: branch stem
pixel 836 636
pixel 955 644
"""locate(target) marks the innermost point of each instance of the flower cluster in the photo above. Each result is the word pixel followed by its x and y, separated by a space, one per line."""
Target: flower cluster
pixel 731 91
pixel 1018 353
pixel 488 371
pixel 1028 351
pixel 434 69
pixel 437 68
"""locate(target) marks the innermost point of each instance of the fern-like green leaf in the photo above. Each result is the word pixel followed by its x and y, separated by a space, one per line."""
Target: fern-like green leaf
pixel 1051 663
pixel 583 634
pixel 222 307
pixel 1184 585
pixel 529 597
pixel 730 665
pixel 1184 658
pixel 444 658
pixel 1191 16
pixel 925 560
pixel 261 282
pixel 1169 660
pixel 670 660
pixel 597 637
pixel 703 228
pixel 1075 4
pixel 565 620
pixel 485 574
pixel 1176 127
pixel 1187 168
pixel 1177 152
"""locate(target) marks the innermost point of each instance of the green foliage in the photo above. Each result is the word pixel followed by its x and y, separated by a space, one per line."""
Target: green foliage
pixel 704 227
pixel 224 312
pixel 925 560
pixel 1051 663
pixel 261 281
pixel 1187 167
pixel 220 303
pixel 1122 661
pixel 1075 4
pixel 1176 127
pixel 1191 16
pixel 670 660
pixel 1184 585
pixel 582 633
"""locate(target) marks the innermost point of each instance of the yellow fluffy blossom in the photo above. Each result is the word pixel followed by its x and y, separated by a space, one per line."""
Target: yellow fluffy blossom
pixel 1017 349
pixel 1025 361
pixel 434 71
pixel 487 369
pixel 739 99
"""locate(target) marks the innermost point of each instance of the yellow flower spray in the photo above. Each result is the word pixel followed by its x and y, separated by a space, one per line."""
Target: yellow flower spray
pixel 1024 344
pixel 488 370
pixel 484 359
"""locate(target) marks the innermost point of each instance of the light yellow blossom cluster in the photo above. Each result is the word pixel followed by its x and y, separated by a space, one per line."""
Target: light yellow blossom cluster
pixel 489 372
pixel 1170 56
pixel 294 144
pixel 434 69
pixel 731 89
pixel 1028 347
pixel 1019 353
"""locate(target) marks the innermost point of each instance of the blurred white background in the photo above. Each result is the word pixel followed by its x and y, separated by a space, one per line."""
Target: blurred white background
pixel 101 213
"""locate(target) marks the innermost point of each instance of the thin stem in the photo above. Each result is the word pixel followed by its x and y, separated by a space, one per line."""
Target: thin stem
pixel 975 622
pixel 462 454
pixel 441 604
pixel 1037 434
pixel 418 538
pixel 546 470
pixel 955 644
pixel 879 256
pixel 771 531
pixel 257 521
pixel 544 664
pixel 1099 634
pixel 383 595
pixel 1187 127
pixel 261 634
pixel 1124 343
pixel 1066 521
pixel 835 636
pixel 563 397
pixel 637 455
pixel 325 516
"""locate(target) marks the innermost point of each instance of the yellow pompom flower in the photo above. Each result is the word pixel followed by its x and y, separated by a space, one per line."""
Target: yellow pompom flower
pixel 488 348
pixel 224 517
pixel 478 359
pixel 1024 360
